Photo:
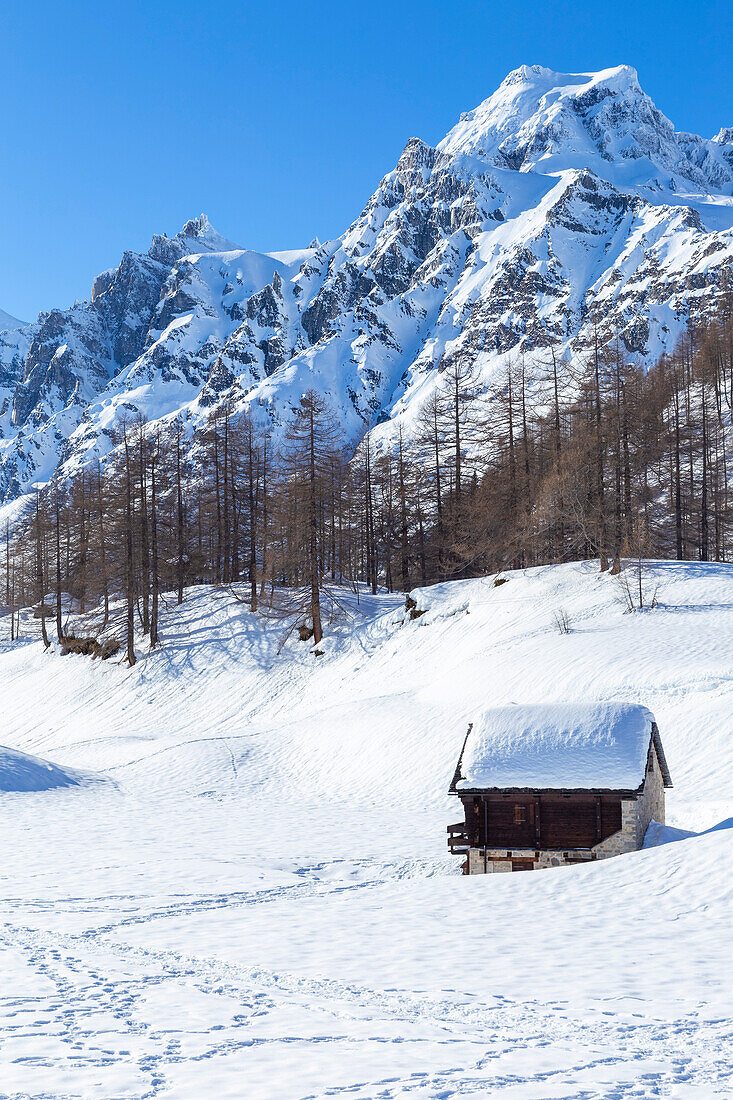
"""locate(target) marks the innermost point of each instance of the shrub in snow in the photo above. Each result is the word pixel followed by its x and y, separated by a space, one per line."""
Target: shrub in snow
pixel 413 609
pixel 562 621
pixel 90 647
pixel 638 589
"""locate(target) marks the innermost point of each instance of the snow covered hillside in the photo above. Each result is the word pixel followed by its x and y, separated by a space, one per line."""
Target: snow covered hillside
pixel 248 892
pixel 7 321
pixel 561 203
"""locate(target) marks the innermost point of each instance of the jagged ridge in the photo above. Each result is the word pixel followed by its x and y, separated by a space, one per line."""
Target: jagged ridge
pixel 562 202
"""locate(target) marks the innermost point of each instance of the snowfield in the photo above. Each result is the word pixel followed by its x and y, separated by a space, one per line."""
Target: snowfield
pixel 246 890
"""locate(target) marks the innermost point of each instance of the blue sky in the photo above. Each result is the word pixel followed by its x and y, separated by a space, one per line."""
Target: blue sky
pixel 278 119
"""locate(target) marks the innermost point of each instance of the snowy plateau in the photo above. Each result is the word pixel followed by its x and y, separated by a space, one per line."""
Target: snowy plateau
pixel 224 870
pixel 561 203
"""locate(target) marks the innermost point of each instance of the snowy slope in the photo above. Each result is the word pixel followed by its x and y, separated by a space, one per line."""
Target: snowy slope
pixel 260 901
pixel 21 772
pixel 561 203
pixel 7 321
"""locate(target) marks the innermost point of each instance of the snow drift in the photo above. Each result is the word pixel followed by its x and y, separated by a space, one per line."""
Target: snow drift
pixel 21 772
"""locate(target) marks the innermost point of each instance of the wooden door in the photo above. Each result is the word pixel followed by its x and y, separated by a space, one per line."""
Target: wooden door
pixel 510 823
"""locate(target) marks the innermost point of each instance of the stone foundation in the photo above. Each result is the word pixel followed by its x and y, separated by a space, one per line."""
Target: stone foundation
pixel 502 859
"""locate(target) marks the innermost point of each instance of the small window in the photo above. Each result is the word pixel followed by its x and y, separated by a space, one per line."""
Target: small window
pixel 520 814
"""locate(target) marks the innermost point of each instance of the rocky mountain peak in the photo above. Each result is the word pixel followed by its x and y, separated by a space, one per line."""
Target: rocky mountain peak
pixel 539 76
pixel 197 227
pixel 416 154
pixel 542 121
pixel 197 235
pixel 201 232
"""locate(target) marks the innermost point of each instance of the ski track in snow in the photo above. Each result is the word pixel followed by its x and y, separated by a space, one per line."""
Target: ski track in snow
pixel 257 902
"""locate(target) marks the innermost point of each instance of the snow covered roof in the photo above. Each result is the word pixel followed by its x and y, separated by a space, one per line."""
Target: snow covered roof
pixel 560 746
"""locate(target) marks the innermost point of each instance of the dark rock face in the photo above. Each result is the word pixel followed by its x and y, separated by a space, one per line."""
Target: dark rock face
pixel 68 356
pixel 264 307
pixel 126 305
pixel 318 320
pixel 75 352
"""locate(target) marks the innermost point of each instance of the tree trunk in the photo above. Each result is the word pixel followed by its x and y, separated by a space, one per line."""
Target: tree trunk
pixel 154 639
pixel 252 502
pixel 600 502
pixel 313 518
pixel 40 584
pixel 129 563
pixel 179 519
pixel 144 535
pixel 59 623
pixel 704 486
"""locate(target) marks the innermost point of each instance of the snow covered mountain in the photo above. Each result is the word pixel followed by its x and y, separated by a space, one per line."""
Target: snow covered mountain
pixel 561 203
pixel 8 321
